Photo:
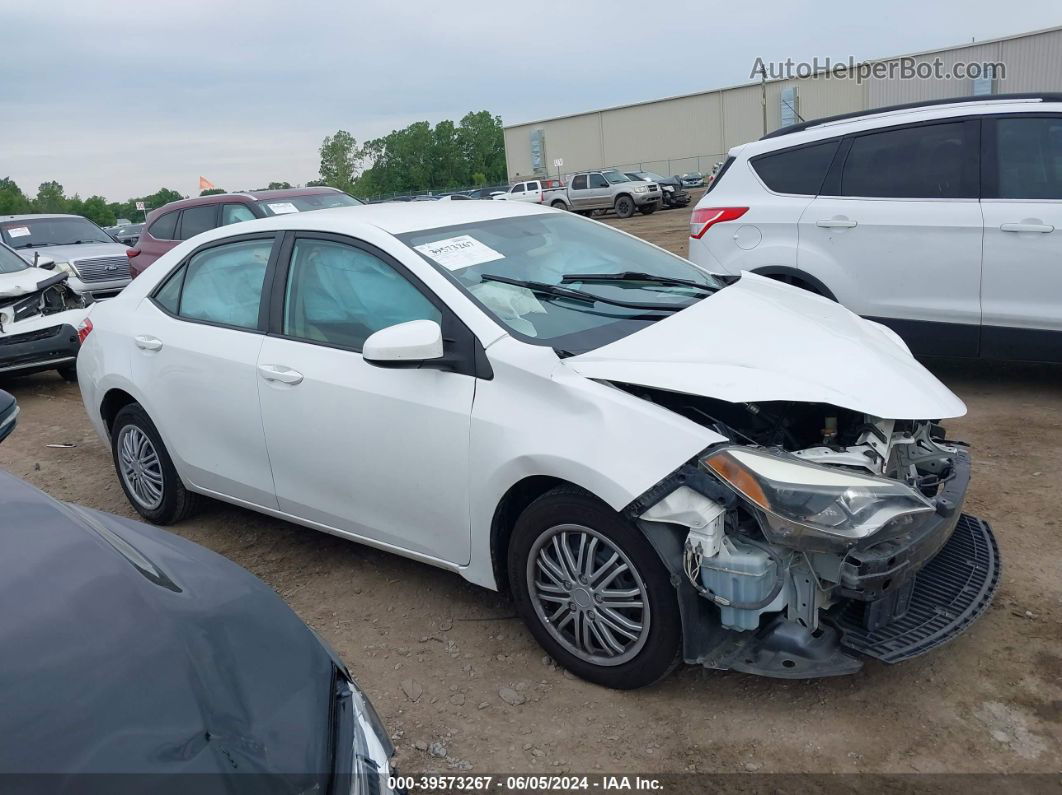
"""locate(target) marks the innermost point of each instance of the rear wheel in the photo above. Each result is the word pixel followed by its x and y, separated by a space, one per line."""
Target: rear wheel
pixel 796 281
pixel 593 591
pixel 559 205
pixel 68 373
pixel 145 470
pixel 624 207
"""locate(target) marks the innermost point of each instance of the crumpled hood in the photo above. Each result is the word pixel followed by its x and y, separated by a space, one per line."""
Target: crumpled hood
pixel 760 340
pixel 12 285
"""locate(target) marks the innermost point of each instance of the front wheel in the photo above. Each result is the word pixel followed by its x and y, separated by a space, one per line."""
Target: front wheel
pixel 145 470
pixel 593 591
pixel 624 207
pixel 647 209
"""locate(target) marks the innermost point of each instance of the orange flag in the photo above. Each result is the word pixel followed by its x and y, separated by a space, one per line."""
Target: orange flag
pixel 205 184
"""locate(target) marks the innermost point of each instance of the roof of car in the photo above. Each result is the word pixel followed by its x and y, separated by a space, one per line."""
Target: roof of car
pixel 395 218
pixel 254 195
pixel 843 124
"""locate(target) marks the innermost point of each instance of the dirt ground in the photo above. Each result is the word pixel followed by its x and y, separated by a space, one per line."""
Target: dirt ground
pixel 434 652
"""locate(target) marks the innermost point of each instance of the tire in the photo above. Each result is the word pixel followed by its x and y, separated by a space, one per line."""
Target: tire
pixel 624 207
pixel 559 205
pixel 135 442
pixel 68 373
pixel 796 281
pixel 558 609
pixel 647 209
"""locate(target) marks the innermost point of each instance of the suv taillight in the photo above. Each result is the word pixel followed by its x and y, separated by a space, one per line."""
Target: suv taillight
pixel 84 328
pixel 703 219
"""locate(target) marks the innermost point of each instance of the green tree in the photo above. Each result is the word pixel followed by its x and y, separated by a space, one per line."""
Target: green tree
pixel 211 191
pixel 12 200
pixel 96 209
pixel 483 145
pixel 340 158
pixel 279 186
pixel 50 198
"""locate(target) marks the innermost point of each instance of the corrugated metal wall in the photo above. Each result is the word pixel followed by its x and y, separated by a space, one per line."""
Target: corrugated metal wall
pixel 691 133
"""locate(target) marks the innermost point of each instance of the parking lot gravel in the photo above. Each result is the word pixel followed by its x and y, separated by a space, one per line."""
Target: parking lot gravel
pixel 463 687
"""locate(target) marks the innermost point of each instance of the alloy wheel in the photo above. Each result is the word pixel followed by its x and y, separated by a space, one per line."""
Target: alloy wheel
pixel 140 467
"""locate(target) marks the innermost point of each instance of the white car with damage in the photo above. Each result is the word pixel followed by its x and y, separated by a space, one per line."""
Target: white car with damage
pixel 660 464
pixel 40 316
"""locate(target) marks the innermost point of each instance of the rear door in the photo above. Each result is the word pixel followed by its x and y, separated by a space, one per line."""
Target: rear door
pixel 1021 296
pixel 896 232
pixel 194 355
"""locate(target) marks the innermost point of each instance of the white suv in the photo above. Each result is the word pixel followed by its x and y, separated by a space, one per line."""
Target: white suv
pixel 942 220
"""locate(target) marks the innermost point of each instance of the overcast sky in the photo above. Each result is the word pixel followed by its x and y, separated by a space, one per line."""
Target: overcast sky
pixel 121 99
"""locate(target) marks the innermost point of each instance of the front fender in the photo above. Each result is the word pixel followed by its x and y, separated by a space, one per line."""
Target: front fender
pixel 537 417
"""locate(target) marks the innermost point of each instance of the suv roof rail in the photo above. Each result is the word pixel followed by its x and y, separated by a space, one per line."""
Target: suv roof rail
pixel 927 103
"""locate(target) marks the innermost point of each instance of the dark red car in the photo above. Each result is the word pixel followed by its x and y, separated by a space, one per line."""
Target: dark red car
pixel 170 224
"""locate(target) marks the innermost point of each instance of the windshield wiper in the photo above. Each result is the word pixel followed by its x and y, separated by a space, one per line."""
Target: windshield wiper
pixel 636 276
pixel 579 295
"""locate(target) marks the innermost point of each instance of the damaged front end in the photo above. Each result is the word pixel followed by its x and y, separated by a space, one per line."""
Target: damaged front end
pixel 39 325
pixel 816 534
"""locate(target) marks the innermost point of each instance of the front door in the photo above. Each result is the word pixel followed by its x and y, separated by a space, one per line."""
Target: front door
pixel 1022 290
pixel 375 452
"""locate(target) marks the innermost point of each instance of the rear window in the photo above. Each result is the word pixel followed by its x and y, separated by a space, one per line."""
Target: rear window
pixel 800 170
pixel 718 177
pixel 196 220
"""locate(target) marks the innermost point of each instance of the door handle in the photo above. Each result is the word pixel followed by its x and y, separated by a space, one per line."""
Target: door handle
pixel 147 343
pixel 836 223
pixel 1026 227
pixel 285 375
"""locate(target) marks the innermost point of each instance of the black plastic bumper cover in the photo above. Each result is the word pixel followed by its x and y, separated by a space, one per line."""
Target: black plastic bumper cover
pixel 945 598
pixel 38 350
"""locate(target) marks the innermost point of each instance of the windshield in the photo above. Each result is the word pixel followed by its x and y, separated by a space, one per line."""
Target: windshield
pixel 614 177
pixel 10 262
pixel 305 203
pixel 546 248
pixel 39 232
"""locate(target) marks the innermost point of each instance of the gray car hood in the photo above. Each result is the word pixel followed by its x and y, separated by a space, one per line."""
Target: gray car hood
pixel 81 251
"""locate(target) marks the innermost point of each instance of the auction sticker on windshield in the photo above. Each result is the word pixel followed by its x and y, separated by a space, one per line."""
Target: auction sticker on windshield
pixel 282 208
pixel 455 253
pixel 17 231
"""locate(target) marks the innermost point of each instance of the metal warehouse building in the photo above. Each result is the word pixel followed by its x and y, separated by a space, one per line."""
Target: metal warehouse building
pixel 693 132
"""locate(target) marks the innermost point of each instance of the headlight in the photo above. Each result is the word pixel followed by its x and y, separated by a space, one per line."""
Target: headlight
pixel 669 189
pixel 640 188
pixel 372 748
pixel 812 506
pixel 66 267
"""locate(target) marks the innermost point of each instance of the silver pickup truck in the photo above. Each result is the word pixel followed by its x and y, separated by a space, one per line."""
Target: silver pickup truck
pixel 605 190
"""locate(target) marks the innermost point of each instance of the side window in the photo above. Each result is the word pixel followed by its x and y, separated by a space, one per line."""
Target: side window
pixel 598 181
pixel 165 227
pixel 579 183
pixel 195 220
pixel 519 188
pixel 234 213
pixel 224 284
pixel 925 162
pixel 531 187
pixel 798 171
pixel 1029 154
pixel 340 295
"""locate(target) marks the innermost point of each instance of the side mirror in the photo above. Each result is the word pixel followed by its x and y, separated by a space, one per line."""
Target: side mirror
pixel 405 344
pixel 8 414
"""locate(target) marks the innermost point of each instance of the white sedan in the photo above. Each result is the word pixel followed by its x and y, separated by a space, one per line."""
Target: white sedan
pixel 658 463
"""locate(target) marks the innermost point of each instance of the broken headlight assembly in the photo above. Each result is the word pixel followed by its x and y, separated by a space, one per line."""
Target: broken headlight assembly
pixel 812 507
